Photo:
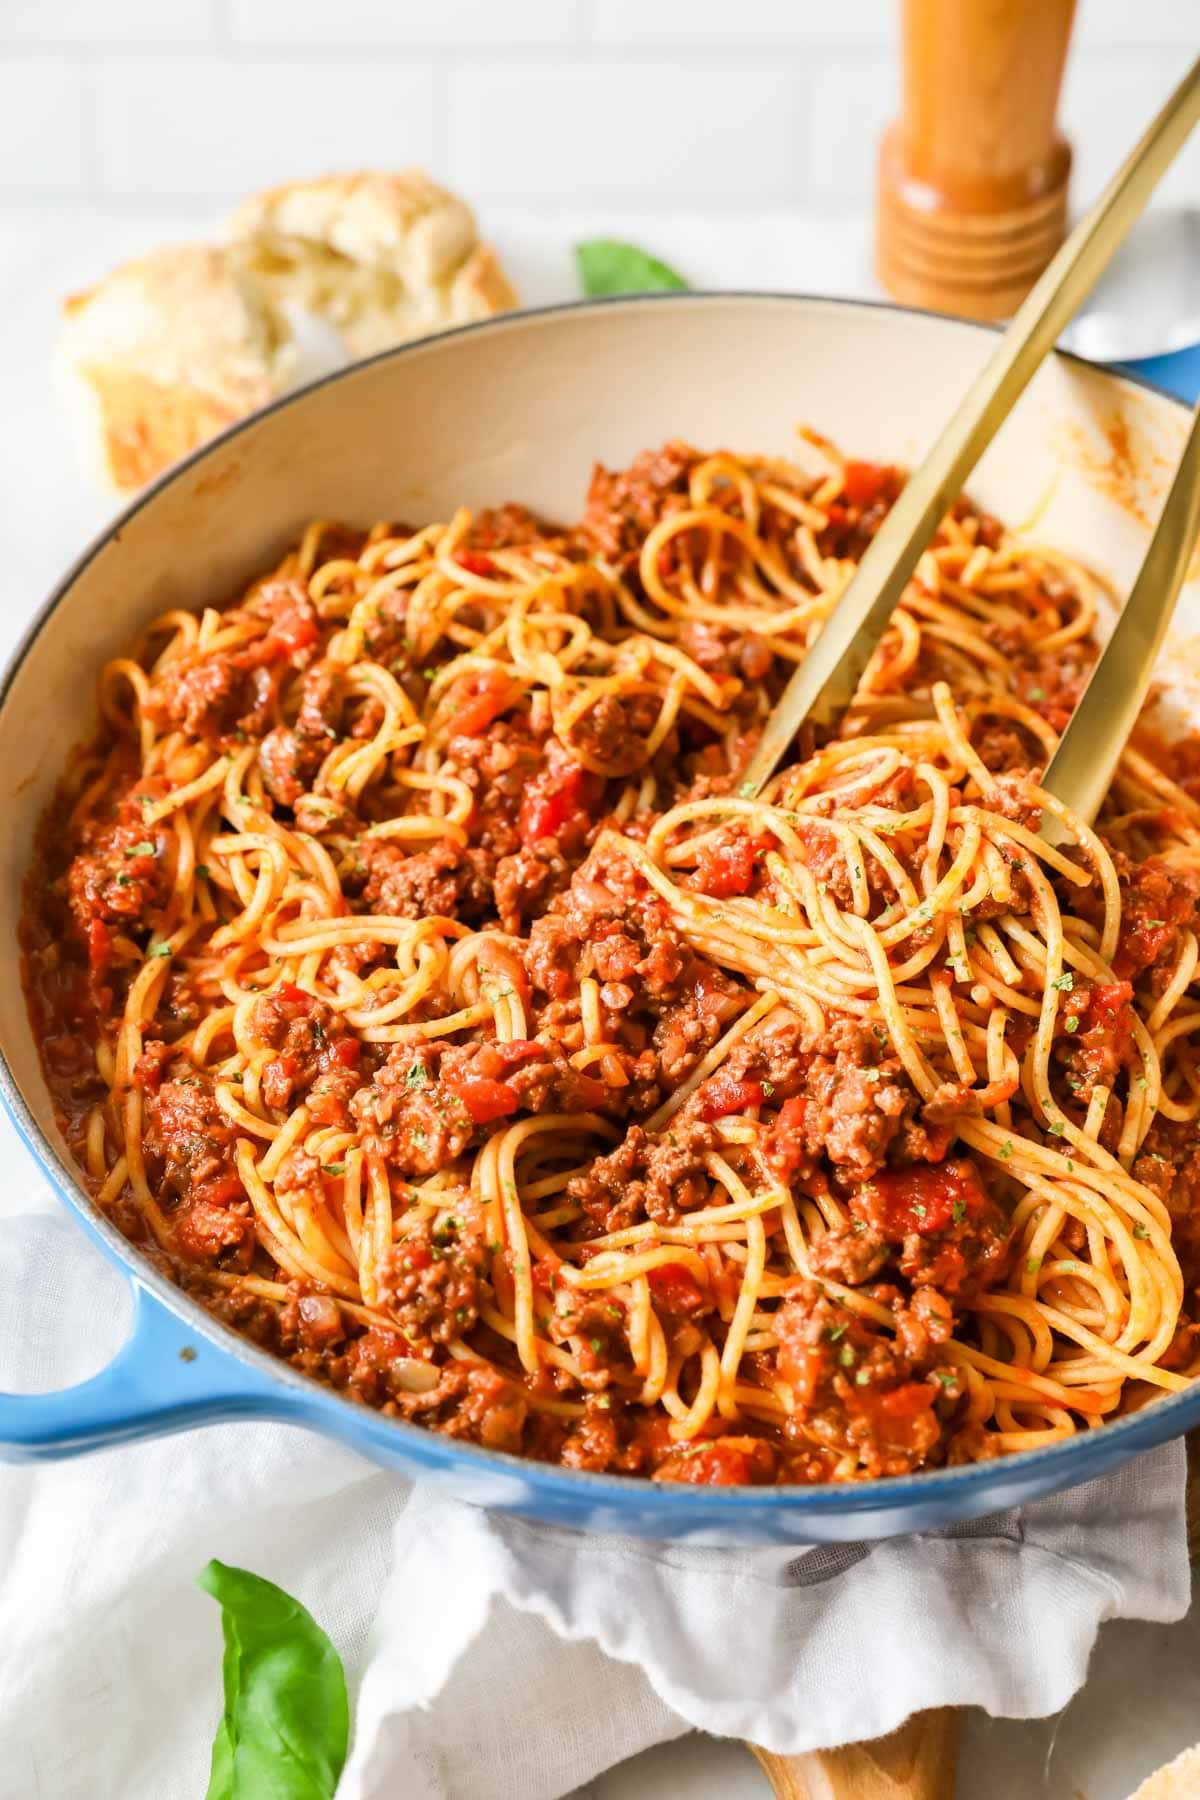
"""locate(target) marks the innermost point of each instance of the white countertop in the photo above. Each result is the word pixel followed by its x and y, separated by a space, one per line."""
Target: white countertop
pixel 1142 1702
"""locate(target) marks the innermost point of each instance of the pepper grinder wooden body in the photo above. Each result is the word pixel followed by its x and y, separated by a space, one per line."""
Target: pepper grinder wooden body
pixel 972 198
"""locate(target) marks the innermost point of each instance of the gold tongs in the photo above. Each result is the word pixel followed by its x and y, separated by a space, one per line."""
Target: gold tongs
pixel 825 682
pixel 1090 748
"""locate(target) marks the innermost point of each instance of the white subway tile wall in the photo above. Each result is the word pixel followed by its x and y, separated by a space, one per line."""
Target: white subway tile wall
pixel 696 105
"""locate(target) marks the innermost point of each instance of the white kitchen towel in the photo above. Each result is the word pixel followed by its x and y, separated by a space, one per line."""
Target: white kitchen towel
pixel 500 1626
pixel 492 1658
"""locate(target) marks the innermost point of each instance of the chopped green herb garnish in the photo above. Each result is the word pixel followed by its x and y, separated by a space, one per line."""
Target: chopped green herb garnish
pixel 596 1345
pixel 958 1211
pixel 947 1381
pixel 846 1356
pixel 834 1332
pixel 1006 1149
pixel 863 1378
pixel 1139 1231
pixel 1064 983
pixel 145 848
pixel 1036 693
pixel 417 1075
pixel 160 950
pixel 333 1168
pixel 203 871
pixel 1073 1023
pixel 917 1209
pixel 1033 1265
pixel 1055 1127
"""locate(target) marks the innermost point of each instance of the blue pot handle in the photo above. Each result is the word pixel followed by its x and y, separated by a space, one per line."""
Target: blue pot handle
pixel 1178 372
pixel 165 1377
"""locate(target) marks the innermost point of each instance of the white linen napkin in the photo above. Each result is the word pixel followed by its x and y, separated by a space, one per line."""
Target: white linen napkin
pixel 471 1638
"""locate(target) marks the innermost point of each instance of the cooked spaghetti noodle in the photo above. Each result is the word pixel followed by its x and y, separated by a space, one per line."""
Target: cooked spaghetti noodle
pixel 416 985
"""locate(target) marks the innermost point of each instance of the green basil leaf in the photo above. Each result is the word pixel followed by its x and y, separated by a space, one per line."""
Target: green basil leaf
pixel 286 1723
pixel 607 266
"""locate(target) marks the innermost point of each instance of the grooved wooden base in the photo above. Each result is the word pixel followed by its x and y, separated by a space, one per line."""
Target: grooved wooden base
pixel 979 264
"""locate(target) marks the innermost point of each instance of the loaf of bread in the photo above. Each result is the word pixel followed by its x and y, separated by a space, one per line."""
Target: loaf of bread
pixel 1178 1780
pixel 171 349
pixel 166 352
pixel 383 258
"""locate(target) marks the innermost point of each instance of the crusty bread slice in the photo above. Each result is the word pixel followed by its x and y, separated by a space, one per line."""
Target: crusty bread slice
pixel 1178 1780
pixel 164 353
pixel 384 258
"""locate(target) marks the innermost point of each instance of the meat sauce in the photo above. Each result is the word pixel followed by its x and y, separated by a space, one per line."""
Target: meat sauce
pixel 925 1228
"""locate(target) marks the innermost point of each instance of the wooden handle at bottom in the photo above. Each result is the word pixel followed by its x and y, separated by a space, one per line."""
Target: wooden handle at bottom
pixel 916 1762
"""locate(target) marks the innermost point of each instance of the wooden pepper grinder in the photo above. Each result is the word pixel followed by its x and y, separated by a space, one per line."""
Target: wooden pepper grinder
pixel 972 200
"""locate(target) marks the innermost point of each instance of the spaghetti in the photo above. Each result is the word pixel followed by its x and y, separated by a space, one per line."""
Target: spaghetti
pixel 416 985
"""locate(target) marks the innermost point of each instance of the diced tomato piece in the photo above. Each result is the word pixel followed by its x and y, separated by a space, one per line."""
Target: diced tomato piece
pixel 802 1366
pixel 99 943
pixel 474 563
pixel 346 1051
pixel 907 1401
pixel 726 1094
pixel 1107 1002
pixel 280 1069
pixel 475 701
pixel 727 868
pixel 485 1100
pixel 897 1415
pixel 721 1463
pixel 222 1190
pixel 924 1197
pixel 289 636
pixel 295 996
pixel 149 1067
pixel 866 482
pixel 787 1144
pixel 295 632
pixel 676 1288
pixel 793 1113
pixel 549 803
pixel 716 1465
